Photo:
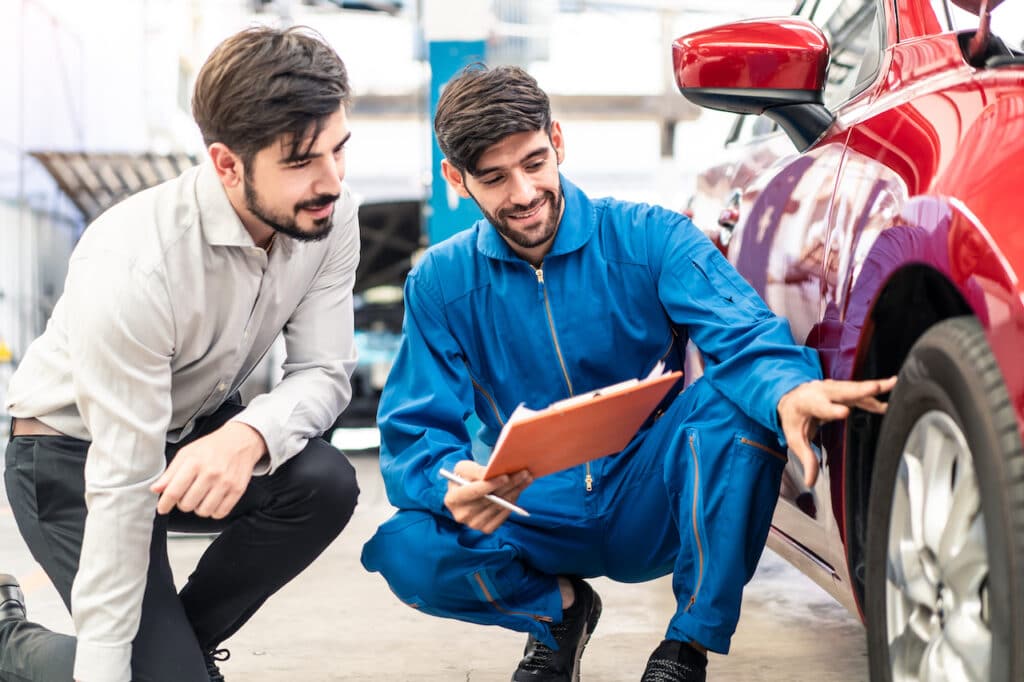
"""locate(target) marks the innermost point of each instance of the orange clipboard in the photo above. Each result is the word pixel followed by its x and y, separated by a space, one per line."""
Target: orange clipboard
pixel 578 429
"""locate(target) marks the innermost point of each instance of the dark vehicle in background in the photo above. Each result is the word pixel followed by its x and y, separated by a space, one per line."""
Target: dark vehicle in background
pixel 873 193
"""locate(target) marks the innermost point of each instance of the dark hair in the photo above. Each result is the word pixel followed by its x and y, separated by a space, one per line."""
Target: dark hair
pixel 262 83
pixel 481 106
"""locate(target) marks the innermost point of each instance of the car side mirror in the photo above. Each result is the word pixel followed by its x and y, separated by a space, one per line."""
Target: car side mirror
pixel 774 67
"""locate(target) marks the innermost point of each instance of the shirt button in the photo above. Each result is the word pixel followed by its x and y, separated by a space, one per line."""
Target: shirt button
pixel 221 386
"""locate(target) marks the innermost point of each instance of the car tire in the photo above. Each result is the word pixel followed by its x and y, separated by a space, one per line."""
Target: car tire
pixel 944 597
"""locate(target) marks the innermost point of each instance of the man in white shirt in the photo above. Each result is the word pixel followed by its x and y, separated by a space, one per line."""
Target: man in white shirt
pixel 126 417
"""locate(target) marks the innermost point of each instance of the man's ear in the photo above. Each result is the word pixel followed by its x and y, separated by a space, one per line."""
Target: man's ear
pixel 557 141
pixel 228 165
pixel 455 178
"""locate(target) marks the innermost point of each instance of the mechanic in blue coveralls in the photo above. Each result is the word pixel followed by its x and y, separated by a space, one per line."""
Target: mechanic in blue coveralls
pixel 552 295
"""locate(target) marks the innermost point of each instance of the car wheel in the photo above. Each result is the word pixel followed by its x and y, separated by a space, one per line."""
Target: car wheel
pixel 945 551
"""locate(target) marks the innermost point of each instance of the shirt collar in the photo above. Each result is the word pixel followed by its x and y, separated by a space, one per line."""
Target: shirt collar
pixel 221 225
pixel 578 222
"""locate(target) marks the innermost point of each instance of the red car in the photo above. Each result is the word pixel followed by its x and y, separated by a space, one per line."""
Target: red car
pixel 875 205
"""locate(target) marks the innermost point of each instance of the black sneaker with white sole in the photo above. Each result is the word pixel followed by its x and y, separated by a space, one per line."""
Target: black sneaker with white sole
pixel 541 663
pixel 675 661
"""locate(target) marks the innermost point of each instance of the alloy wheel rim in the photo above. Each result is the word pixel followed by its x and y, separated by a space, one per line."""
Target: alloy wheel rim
pixel 936 588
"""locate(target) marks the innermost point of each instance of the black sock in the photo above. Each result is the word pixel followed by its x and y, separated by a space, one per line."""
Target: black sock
pixel 578 587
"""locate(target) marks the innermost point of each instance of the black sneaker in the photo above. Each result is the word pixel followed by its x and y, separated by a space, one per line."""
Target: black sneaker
pixel 541 663
pixel 12 599
pixel 212 657
pixel 675 661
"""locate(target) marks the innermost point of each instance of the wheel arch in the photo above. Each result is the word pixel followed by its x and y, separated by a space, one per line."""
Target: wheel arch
pixel 914 299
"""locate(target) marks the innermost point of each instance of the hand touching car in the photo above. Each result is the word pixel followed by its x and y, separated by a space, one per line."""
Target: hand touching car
pixel 806 407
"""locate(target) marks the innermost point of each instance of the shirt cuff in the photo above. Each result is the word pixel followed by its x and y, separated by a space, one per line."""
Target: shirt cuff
pixel 266 464
pixel 102 662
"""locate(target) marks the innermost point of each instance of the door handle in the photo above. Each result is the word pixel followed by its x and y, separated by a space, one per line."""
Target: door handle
pixel 730 214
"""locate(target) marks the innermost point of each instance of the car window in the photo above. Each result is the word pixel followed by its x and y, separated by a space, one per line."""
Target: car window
pixel 1007 21
pixel 856 41
pixel 854 29
pixel 747 128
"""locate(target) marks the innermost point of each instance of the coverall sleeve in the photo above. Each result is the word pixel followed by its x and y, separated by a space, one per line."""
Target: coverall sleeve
pixel 425 403
pixel 750 354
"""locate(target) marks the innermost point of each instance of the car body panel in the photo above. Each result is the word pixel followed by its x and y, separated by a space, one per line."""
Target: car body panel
pixel 920 170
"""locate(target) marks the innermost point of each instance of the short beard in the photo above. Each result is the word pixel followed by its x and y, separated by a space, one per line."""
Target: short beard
pixel 287 225
pixel 500 223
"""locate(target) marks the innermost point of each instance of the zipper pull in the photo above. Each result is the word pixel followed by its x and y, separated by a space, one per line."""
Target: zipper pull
pixel 589 480
pixel 540 283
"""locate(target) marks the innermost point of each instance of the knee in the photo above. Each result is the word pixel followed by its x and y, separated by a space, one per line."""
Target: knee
pixel 400 552
pixel 327 480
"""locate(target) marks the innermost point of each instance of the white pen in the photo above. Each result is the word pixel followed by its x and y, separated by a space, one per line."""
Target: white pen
pixel 455 478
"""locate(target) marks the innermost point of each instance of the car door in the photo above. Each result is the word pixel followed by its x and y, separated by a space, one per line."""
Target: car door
pixel 781 239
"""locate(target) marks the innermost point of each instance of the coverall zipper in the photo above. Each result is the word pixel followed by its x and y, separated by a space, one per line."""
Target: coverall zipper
pixel 589 479
pixel 696 528
pixel 774 453
pixel 490 600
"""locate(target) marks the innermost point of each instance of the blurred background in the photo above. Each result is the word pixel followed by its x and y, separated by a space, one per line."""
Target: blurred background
pixel 96 105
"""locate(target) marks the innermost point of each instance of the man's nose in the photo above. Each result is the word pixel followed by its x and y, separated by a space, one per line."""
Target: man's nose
pixel 328 181
pixel 522 189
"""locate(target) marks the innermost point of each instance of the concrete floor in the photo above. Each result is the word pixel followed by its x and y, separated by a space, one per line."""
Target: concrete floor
pixel 337 622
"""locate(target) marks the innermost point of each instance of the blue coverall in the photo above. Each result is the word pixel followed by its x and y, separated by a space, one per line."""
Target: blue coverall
pixel 623 287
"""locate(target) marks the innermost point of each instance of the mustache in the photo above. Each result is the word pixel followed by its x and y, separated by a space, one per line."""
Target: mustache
pixel 317 202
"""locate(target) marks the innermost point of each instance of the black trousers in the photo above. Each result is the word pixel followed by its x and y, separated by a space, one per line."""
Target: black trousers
pixel 279 526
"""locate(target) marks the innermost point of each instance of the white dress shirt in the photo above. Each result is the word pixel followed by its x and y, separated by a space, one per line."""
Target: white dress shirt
pixel 167 307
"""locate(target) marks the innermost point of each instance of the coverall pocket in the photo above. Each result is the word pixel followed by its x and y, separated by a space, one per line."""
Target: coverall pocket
pixel 758 472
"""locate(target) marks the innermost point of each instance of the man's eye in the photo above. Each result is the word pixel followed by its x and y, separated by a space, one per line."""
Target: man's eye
pixel 299 164
pixel 536 166
pixel 492 181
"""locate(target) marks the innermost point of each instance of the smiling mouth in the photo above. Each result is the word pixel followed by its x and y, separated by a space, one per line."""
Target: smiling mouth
pixel 317 209
pixel 525 215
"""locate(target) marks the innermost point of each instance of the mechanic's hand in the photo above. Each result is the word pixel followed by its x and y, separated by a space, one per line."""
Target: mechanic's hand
pixel 468 504
pixel 806 407
pixel 208 475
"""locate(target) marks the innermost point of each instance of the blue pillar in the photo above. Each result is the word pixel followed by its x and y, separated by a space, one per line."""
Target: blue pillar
pixel 454 31
pixel 449 213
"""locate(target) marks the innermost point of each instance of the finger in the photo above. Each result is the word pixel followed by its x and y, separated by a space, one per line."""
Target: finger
pixel 797 439
pixel 226 506
pixel 211 503
pixel 165 477
pixel 193 497
pixel 808 459
pixel 513 495
pixel 487 487
pixel 175 488
pixel 872 405
pixel 827 412
pixel 496 519
pixel 459 494
pixel 848 391
pixel 481 515
pixel 463 505
pixel 514 487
